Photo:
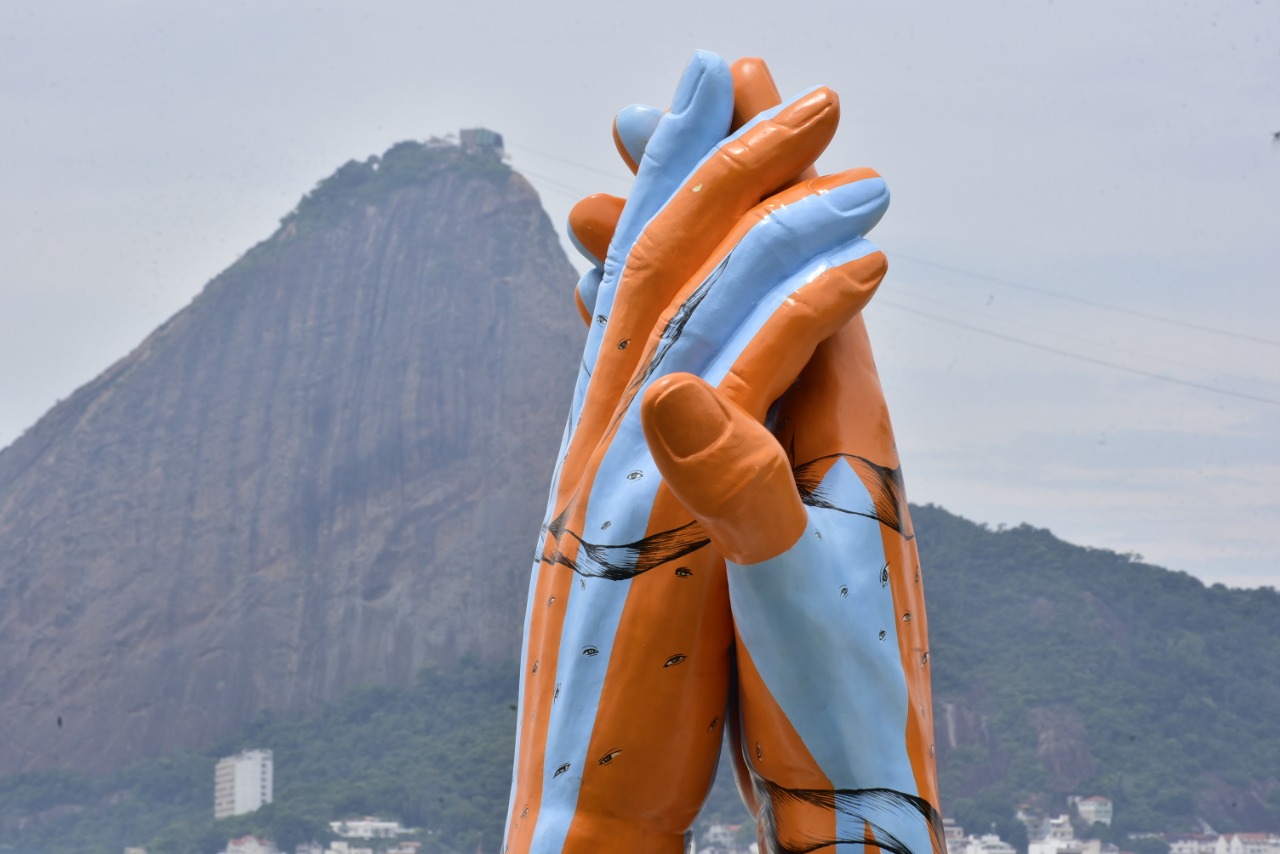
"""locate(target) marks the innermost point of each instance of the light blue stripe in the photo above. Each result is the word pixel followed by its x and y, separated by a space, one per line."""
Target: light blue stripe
pixel 811 620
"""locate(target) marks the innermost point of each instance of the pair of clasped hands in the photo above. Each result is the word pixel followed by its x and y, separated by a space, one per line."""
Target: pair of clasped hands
pixel 724 297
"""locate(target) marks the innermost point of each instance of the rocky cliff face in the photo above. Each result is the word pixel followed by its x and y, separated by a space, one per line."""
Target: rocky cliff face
pixel 326 471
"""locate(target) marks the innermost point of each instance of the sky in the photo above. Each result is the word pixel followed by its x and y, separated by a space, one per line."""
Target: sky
pixel 1079 329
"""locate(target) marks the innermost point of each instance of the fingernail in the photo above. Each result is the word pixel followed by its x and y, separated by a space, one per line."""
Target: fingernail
pixel 694 73
pixel 689 417
pixel 808 109
pixel 856 196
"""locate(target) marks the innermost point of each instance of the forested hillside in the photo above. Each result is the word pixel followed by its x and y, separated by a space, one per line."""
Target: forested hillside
pixel 1061 669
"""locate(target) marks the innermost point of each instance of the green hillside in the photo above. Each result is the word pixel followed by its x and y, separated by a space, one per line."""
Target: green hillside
pixel 1094 673
pixel 1058 670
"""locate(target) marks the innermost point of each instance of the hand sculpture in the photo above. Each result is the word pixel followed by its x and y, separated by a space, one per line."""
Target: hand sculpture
pixel 707 306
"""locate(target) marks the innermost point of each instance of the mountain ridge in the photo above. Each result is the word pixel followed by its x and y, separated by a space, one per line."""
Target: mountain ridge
pixel 281 491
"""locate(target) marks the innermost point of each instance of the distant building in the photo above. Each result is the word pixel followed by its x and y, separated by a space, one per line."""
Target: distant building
pixel 952 834
pixel 369 827
pixel 1060 839
pixel 251 845
pixel 1192 843
pixel 414 848
pixel 1094 810
pixel 341 846
pixel 988 843
pixel 1034 820
pixel 1248 843
pixel 481 140
pixel 242 783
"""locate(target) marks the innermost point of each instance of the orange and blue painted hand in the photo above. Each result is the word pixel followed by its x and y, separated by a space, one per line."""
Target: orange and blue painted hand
pixel 630 633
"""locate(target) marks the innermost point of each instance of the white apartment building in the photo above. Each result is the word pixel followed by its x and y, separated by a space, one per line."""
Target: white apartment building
pixel 242 783
pixel 1248 843
pixel 1094 810
pixel 1198 843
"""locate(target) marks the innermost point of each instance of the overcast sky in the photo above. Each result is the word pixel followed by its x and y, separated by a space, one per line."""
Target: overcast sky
pixel 1079 329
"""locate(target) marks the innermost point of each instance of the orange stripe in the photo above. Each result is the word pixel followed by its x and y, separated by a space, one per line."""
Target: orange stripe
pixel 663 699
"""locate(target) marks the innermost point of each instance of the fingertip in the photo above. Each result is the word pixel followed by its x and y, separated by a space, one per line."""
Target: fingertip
pixel 632 129
pixel 683 416
pixel 704 76
pixel 754 90
pixel 592 223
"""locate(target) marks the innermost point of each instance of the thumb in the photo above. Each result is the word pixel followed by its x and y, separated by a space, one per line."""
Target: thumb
pixel 724 467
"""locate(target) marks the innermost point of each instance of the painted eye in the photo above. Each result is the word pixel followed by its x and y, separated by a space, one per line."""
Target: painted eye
pixel 525 812
pixel 683 571
pixel 590 651
pixel 884 575
pixel 883 634
pixel 906 618
pixel 759 754
pixel 635 475
pixel 924 659
pixel 622 345
pixel 844 590
pixel 674 660
pixel 605 525
pixel 551 601
pixel 608 757
pixel 556 695
pixel 535 666
pixel 601 319
pixel 817 533
pixel 560 770
pixel 713 723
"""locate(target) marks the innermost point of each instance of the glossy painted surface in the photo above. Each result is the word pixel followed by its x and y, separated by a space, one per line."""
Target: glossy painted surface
pixel 630 638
